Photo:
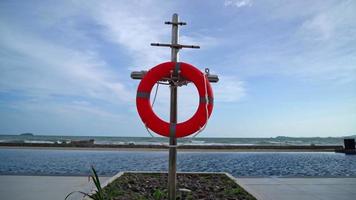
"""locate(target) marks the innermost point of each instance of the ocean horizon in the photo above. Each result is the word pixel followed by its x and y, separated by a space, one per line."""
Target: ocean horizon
pixel 280 140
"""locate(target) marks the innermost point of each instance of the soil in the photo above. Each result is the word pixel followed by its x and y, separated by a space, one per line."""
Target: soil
pixel 142 186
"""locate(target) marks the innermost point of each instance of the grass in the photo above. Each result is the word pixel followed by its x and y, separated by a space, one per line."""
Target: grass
pixel 99 195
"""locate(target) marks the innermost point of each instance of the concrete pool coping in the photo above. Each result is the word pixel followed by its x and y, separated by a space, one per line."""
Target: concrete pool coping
pixel 263 188
pixel 118 175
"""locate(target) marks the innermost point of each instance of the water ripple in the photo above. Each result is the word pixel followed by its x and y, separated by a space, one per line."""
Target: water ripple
pixel 77 162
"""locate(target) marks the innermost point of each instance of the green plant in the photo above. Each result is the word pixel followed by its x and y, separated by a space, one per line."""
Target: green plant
pixel 99 194
pixel 158 194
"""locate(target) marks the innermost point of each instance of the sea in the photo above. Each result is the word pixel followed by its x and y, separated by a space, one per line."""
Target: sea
pixel 240 164
pixel 280 140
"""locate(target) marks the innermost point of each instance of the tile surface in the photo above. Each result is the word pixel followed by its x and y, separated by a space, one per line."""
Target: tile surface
pixel 56 187
pixel 300 188
pixel 42 187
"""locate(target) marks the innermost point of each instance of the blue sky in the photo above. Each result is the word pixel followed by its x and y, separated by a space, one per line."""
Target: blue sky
pixel 286 67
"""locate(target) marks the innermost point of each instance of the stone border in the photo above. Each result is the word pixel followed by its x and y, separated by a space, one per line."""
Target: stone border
pixel 116 176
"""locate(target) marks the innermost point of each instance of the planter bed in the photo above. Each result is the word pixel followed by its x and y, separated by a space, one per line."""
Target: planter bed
pixel 153 185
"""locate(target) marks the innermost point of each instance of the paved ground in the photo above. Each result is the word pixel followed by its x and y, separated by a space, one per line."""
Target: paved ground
pixel 42 187
pixel 301 188
pixel 56 188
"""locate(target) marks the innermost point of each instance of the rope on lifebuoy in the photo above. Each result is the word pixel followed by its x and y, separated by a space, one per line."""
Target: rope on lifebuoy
pixel 206 109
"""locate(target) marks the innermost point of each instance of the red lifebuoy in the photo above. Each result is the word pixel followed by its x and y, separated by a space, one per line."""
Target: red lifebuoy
pixel 188 72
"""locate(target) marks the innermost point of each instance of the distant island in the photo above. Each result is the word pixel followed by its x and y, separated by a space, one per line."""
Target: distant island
pixel 27 134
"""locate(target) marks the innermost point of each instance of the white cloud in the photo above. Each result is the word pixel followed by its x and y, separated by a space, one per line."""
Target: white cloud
pixel 188 101
pixel 134 27
pixel 316 43
pixel 335 23
pixel 319 27
pixel 51 74
pixel 229 89
pixel 328 38
pixel 238 3
pixel 45 58
pixel 204 41
pixel 40 67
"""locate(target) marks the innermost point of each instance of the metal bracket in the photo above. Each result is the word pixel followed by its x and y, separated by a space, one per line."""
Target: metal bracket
pixel 138 75
pixel 175 46
pixel 175 23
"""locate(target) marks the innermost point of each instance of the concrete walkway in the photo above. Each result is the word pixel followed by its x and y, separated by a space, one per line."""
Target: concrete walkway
pixel 43 187
pixel 300 188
